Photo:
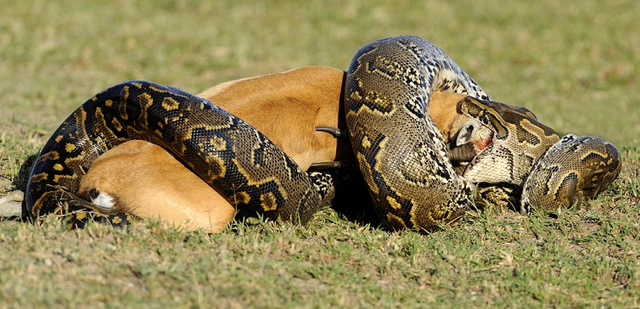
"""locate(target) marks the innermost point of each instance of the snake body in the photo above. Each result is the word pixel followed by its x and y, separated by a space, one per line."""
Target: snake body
pixel 223 150
pixel 405 162
pixel 400 152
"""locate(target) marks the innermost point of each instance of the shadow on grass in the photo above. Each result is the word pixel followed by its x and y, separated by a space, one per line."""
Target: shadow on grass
pixel 20 182
pixel 353 201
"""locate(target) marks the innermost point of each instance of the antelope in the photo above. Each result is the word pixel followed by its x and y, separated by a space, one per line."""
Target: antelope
pixel 300 111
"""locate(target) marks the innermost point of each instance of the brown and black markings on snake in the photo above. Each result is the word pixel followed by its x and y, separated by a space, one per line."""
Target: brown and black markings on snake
pixel 141 179
pixel 403 158
pixel 223 150
pixel 400 151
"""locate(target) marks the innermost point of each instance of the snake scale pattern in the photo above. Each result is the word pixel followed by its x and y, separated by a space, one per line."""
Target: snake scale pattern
pixel 223 150
pixel 400 152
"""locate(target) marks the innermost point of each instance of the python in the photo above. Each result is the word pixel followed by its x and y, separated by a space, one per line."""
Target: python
pixel 142 179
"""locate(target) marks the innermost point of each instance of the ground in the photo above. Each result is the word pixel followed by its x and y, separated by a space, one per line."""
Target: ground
pixel 575 65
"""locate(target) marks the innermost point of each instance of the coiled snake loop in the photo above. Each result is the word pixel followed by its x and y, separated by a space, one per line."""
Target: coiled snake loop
pixel 400 152
pixel 222 149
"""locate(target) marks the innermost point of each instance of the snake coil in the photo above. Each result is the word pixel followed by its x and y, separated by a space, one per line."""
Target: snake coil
pixel 400 152
pixel 223 150
pixel 403 157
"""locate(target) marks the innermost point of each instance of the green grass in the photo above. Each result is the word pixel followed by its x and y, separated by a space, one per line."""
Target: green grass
pixel 573 64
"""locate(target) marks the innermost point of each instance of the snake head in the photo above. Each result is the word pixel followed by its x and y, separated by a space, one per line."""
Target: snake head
pixel 518 141
pixel 573 170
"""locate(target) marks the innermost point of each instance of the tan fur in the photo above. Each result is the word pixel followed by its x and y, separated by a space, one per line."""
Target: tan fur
pixel 150 183
pixel 287 107
pixel 442 109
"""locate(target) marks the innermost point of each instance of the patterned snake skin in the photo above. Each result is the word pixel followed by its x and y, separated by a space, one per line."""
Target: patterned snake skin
pixel 400 152
pixel 404 159
pixel 223 150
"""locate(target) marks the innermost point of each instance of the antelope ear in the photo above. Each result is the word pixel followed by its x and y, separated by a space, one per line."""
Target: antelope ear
pixel 467 132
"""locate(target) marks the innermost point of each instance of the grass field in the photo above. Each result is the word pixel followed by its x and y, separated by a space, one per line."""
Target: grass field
pixel 575 64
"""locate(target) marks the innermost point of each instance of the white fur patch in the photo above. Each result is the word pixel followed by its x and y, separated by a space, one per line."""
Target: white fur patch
pixel 104 200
